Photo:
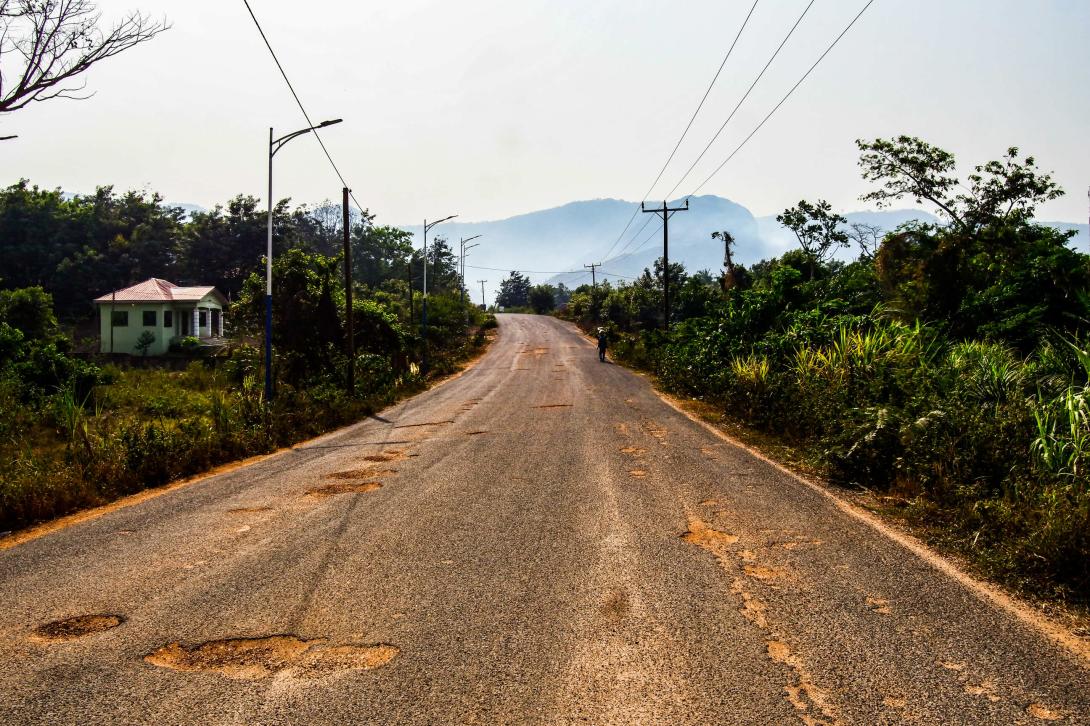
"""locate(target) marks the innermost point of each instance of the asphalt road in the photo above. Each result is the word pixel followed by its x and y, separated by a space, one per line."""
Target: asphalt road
pixel 550 543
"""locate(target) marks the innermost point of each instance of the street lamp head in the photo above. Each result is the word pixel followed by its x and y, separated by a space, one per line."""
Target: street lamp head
pixel 329 123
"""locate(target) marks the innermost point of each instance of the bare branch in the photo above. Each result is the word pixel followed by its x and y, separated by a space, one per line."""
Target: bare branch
pixel 58 40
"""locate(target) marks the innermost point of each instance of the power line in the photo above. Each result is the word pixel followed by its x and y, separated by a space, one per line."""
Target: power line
pixel 784 99
pixel 302 108
pixel 754 131
pixel 687 127
pixel 529 272
pixel 743 99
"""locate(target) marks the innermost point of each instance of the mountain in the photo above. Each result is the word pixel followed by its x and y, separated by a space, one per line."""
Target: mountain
pixel 552 245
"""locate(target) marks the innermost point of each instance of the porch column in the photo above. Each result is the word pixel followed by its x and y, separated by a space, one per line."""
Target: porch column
pixel 196 323
pixel 221 324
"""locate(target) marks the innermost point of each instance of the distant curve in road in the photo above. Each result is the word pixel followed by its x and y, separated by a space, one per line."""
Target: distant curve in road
pixel 541 540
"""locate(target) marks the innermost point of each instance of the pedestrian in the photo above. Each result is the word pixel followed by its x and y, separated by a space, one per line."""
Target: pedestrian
pixel 602 344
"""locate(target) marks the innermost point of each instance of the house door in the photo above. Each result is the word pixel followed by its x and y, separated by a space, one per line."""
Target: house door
pixel 187 323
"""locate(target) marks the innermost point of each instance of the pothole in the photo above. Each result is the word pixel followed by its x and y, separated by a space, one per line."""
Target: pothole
pixel 255 658
pixel 248 510
pixel 765 574
pixel 475 433
pixel 1042 712
pixel 637 473
pixel 330 490
pixel 360 473
pixel 704 536
pixel 554 405
pixel 78 627
pixel 633 450
pixel 386 456
pixel 878 605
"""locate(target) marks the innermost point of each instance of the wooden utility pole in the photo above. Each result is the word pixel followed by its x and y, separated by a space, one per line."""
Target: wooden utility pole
pixel 483 301
pixel 593 267
pixel 666 212
pixel 594 288
pixel 350 337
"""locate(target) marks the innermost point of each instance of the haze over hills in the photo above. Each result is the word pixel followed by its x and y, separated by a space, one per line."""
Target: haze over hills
pixel 552 245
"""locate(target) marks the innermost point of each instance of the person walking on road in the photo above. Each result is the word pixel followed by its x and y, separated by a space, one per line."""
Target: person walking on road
pixel 602 344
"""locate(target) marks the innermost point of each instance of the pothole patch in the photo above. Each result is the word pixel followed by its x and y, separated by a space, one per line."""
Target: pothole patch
pixel 878 605
pixel 761 572
pixel 1043 712
pixel 386 456
pixel 329 490
pixel 704 536
pixel 80 626
pixel 360 473
pixel 256 658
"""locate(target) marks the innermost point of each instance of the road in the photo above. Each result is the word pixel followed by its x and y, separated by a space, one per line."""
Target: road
pixel 540 540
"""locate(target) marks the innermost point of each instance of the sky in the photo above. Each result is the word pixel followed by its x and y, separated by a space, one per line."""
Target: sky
pixel 491 108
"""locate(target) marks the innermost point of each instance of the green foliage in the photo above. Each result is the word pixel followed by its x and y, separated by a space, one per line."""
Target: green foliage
pixel 542 299
pixel 145 341
pixel 514 291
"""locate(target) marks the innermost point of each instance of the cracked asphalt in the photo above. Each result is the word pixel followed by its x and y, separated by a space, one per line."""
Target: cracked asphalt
pixel 551 544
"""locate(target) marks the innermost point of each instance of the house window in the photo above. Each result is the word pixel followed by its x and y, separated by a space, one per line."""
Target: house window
pixel 168 318
pixel 203 320
pixel 119 318
pixel 149 318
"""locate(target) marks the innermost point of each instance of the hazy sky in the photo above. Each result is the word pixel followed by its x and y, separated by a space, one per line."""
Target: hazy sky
pixel 491 108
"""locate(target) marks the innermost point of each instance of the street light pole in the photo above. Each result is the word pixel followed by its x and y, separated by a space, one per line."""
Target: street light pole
pixel 463 251
pixel 424 312
pixel 274 146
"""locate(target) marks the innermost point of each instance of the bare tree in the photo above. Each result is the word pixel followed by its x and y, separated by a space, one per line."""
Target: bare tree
pixel 868 237
pixel 728 248
pixel 45 45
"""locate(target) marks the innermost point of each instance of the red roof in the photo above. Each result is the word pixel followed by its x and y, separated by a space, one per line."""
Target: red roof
pixel 156 290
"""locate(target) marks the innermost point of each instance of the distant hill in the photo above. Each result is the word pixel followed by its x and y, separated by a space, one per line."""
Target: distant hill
pixel 547 244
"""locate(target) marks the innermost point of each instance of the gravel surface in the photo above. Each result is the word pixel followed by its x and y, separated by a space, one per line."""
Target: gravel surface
pixel 540 540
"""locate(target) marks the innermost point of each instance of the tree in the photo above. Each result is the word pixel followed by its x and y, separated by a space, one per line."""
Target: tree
pixel 514 291
pixel 1000 191
pixel 817 228
pixel 45 45
pixel 868 237
pixel 145 341
pixel 543 299
pixel 729 278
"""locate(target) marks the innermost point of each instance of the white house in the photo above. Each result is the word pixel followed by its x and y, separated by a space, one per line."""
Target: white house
pixel 162 308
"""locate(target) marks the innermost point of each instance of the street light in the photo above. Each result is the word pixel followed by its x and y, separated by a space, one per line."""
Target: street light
pixel 464 249
pixel 274 146
pixel 424 316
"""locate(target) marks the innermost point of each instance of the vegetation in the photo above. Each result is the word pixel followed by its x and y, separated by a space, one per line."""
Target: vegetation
pixel 81 430
pixel 947 368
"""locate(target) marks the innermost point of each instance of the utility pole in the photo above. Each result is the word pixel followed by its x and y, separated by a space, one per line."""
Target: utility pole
pixel 348 298
pixel 593 267
pixel 594 288
pixel 665 213
pixel 483 301
pixel 409 264
pixel 463 249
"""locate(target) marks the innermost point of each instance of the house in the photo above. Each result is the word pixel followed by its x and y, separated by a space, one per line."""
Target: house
pixel 162 308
